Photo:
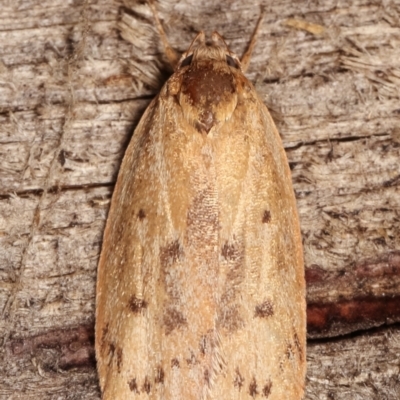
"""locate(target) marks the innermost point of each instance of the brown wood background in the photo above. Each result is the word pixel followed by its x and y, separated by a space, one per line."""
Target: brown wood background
pixel 75 78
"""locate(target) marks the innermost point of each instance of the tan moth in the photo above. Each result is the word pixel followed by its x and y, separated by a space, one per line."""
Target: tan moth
pixel 201 291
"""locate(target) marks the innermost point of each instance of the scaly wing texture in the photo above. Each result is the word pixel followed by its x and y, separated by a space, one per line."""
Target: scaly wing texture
pixel 201 281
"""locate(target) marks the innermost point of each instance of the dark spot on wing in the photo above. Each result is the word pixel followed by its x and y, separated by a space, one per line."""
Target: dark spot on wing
pixel 111 351
pixel 112 347
pixel 171 284
pixel 266 391
pixel 146 385
pixel 253 388
pixel 136 305
pixel 239 380
pixel 173 319
pixel 229 310
pixel 133 387
pixel 264 310
pixel 119 359
pixel 115 351
pixel 230 252
pixel 141 214
pixel 266 217
pixel 175 363
pixel 171 253
pixel 298 346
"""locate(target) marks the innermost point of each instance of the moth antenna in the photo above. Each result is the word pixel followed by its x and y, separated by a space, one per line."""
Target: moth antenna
pixel 216 38
pixel 200 37
pixel 245 61
pixel 171 54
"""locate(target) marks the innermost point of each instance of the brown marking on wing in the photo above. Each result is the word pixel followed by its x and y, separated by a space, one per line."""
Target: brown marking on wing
pixel 146 385
pixel 173 319
pixel 175 363
pixel 267 389
pixel 116 352
pixel 229 251
pixel 239 380
pixel 133 387
pixel 253 388
pixel 229 312
pixel 111 351
pixel 141 214
pixel 119 359
pixel 298 346
pixel 170 254
pixel 264 310
pixel 136 305
pixel 266 217
pixel 233 252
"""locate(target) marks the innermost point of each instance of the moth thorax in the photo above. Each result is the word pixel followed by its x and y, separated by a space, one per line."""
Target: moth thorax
pixel 208 94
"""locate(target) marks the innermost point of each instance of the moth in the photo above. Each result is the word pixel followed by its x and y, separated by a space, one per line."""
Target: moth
pixel 201 291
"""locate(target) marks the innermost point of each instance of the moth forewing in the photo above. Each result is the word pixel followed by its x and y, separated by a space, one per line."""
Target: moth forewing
pixel 200 291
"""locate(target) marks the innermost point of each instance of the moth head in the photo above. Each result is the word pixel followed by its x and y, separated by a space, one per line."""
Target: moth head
pixel 217 50
pixel 206 83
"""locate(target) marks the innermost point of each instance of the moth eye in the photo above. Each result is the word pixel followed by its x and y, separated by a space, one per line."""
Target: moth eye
pixel 187 61
pixel 232 62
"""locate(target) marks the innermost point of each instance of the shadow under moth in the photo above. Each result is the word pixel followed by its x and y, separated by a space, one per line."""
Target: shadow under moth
pixel 201 291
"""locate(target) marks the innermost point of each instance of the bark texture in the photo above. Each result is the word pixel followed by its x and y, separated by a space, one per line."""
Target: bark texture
pixel 75 77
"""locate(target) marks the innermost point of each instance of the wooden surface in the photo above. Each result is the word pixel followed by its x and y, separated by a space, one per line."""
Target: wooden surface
pixel 75 78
